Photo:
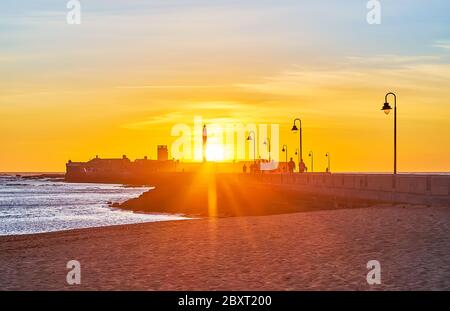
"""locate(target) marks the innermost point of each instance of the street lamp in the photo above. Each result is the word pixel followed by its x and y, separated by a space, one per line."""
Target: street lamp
pixel 311 155
pixel 285 149
pixel 329 161
pixel 299 129
pixel 387 109
pixel 267 143
pixel 250 137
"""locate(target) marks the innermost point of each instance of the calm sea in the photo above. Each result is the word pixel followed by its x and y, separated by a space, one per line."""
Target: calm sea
pixel 36 206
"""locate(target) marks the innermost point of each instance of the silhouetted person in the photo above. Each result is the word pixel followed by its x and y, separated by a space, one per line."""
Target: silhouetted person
pixel 302 167
pixel 244 169
pixel 291 166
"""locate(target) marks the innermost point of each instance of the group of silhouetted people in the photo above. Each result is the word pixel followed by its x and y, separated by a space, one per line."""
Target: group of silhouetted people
pixel 290 166
pixel 253 168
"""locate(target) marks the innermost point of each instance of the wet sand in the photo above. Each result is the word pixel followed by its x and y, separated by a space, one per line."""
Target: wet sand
pixel 323 250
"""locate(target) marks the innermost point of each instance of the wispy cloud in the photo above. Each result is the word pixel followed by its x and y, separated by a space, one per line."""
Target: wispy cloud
pixel 390 59
pixel 418 75
pixel 167 118
pixel 443 44
pixel 175 86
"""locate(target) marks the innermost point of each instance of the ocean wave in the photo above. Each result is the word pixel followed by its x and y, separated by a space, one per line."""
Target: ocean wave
pixel 45 206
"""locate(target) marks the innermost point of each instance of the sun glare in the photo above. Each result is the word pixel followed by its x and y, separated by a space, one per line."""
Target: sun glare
pixel 215 152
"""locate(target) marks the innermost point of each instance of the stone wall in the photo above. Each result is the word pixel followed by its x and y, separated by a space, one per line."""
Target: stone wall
pixel 403 188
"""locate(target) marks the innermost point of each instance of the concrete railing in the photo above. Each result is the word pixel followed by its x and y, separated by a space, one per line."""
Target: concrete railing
pixel 404 188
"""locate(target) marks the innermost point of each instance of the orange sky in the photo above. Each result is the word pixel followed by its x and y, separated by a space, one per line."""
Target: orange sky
pixel 118 85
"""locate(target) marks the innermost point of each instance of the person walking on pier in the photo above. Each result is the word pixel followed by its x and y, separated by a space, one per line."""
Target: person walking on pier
pixel 291 166
pixel 302 167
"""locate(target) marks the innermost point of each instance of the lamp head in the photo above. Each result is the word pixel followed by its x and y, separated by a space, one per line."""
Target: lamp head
pixel 386 108
pixel 294 128
pixel 249 137
pixel 283 150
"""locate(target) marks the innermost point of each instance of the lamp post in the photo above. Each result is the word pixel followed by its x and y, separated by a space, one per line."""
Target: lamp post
pixel 329 161
pixel 250 137
pixel 311 155
pixel 387 109
pixel 267 143
pixel 299 129
pixel 285 149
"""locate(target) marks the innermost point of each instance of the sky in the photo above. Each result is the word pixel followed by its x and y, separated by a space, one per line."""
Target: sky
pixel 132 70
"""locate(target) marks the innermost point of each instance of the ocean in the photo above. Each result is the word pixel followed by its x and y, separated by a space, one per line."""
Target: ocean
pixel 41 205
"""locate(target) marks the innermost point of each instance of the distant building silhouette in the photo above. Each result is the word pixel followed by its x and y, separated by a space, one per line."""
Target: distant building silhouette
pixel 119 168
pixel 163 153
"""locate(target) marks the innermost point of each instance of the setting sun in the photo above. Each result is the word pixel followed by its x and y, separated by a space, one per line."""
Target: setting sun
pixel 215 152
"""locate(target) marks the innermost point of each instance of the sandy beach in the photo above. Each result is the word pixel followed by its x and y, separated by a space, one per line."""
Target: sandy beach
pixel 323 250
